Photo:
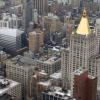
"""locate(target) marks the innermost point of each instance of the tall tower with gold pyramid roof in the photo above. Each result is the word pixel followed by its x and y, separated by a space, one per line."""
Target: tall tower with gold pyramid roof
pixel 83 45
pixel 83 27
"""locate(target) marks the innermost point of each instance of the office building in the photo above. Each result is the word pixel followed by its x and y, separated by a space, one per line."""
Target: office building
pixel 18 11
pixel 10 21
pixel 2 3
pixel 85 86
pixel 36 80
pixel 97 26
pixel 56 78
pixel 16 2
pixel 63 1
pixel 49 61
pixel 27 13
pixel 41 6
pixel 83 45
pixel 52 23
pixel 64 66
pixel 94 67
pixel 40 82
pixel 56 93
pixel 98 93
pixel 10 39
pixel 41 36
pixel 10 87
pixel 36 40
pixel 50 65
pixel 3 58
pixel 75 3
pixel 21 69
pixel 35 16
pixel 2 69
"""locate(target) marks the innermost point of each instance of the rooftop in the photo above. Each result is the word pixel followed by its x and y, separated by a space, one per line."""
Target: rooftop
pixel 45 83
pixel 58 92
pixel 42 72
pixel 10 32
pixel 51 60
pixel 22 61
pixel 45 57
pixel 56 75
pixel 83 27
pixel 79 71
pixel 6 85
pixel 91 77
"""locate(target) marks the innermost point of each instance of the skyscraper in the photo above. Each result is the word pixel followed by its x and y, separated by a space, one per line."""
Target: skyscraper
pixel 34 41
pixel 83 45
pixel 41 6
pixel 27 13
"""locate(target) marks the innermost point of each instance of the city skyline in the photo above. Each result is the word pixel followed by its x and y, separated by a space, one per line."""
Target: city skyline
pixel 49 49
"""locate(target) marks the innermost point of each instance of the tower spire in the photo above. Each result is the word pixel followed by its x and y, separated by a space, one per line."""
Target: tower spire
pixel 83 27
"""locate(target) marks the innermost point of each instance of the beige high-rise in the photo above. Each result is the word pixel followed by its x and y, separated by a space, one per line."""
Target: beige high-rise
pixel 83 45
pixel 34 41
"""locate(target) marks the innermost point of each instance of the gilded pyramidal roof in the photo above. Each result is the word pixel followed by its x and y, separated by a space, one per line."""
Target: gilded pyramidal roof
pixel 83 27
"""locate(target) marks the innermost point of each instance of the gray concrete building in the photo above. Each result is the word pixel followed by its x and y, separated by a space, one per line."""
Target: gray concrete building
pixel 27 13
pixel 49 61
pixel 21 69
pixel 41 6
